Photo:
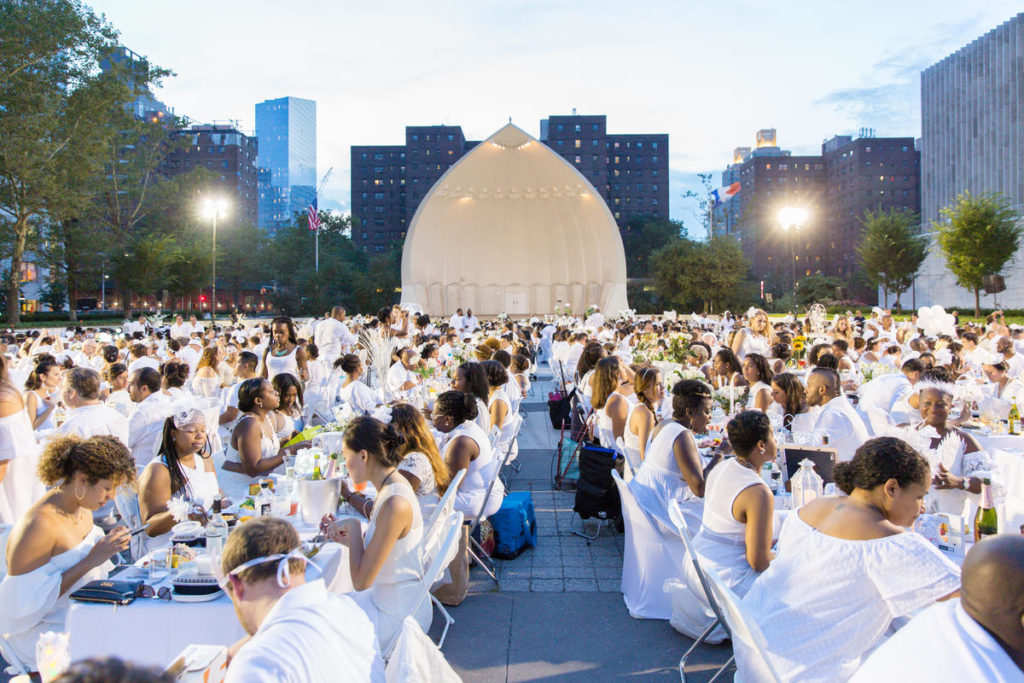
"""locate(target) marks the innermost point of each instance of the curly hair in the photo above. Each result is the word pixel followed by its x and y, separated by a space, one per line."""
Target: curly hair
pixel 459 406
pixel 98 457
pixel 287 322
pixel 747 429
pixel 687 396
pixel 382 441
pixel 175 373
pixel 476 379
pixel 879 460
pixel 497 375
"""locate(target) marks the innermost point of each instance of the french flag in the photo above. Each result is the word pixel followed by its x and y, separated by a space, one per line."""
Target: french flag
pixel 724 194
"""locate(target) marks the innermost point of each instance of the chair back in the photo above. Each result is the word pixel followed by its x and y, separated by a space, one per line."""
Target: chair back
pixel 493 437
pixel 435 524
pixel 450 531
pixel 745 632
pixel 675 513
pixel 127 503
pixel 500 460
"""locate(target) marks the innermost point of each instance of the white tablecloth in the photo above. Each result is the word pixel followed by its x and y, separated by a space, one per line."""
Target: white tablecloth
pixel 153 632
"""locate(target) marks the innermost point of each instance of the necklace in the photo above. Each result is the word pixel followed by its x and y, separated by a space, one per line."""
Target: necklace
pixel 742 460
pixel 386 479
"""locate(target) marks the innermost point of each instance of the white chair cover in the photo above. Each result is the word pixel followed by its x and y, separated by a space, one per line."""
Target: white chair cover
pixel 746 634
pixel 650 558
pixel 416 659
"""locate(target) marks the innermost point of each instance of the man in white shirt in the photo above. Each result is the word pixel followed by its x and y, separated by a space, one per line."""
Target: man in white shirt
pixel 191 352
pixel 469 323
pixel 978 637
pixel 887 391
pixel 180 328
pixel 402 378
pixel 455 322
pixel 298 631
pixel 1014 360
pixel 140 358
pixel 572 356
pixel 332 336
pixel 146 425
pixel 596 319
pixel 87 415
pixel 838 420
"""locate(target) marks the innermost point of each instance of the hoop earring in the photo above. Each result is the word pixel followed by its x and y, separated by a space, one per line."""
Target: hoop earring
pixel 79 496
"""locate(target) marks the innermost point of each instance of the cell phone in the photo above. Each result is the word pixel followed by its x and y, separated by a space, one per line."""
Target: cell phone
pixel 139 530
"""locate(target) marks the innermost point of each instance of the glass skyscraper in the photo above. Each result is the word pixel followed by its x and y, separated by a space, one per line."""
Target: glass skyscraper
pixel 286 128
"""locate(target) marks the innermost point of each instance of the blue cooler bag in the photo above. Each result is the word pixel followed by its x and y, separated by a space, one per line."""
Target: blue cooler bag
pixel 515 525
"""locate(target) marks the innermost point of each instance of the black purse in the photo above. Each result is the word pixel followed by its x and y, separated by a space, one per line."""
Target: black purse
pixel 108 592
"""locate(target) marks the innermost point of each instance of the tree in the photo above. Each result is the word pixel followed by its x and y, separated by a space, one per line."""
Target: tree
pixel 51 97
pixel 979 235
pixel 891 253
pixel 69 249
pixel 642 236
pixel 817 289
pixel 143 265
pixel 708 274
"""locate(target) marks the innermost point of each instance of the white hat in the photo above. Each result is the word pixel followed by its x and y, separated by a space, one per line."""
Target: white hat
pixel 987 357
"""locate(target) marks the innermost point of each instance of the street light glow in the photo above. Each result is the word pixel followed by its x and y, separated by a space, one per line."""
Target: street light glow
pixel 792 217
pixel 215 208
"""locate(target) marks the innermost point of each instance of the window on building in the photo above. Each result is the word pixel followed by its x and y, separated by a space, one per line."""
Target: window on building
pixel 578 158
pixel 867 148
pixel 654 202
pixel 577 143
pixel 654 145
pixel 578 128
pixel 451 138
pixel 593 127
pixel 415 137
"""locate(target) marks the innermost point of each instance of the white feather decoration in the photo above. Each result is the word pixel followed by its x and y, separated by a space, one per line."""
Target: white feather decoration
pixel 378 353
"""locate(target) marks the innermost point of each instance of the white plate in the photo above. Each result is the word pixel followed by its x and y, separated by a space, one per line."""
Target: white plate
pixel 209 597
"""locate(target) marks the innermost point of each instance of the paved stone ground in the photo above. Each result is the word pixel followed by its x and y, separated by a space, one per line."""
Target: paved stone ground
pixel 559 614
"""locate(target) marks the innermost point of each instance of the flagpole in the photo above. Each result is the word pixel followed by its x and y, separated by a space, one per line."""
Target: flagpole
pixel 318 250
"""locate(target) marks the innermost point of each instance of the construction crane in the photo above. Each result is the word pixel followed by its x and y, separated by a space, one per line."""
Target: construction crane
pixel 316 203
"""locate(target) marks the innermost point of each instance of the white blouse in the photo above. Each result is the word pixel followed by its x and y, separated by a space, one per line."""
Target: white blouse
pixel 825 602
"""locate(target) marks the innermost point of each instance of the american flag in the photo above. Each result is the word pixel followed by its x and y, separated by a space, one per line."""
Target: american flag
pixel 313 217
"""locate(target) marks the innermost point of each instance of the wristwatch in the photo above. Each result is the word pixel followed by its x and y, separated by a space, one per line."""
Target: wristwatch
pixel 965 483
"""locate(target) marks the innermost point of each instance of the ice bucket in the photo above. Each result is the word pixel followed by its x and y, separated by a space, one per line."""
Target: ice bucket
pixel 318 498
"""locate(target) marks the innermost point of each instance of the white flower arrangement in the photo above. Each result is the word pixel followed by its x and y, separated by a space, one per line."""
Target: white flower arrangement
pixel 627 314
pixel 875 370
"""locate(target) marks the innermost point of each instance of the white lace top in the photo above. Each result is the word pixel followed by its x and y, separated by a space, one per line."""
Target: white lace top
pixel 824 602
pixel 417 464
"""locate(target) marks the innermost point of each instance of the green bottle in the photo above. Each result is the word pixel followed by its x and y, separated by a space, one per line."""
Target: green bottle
pixel 985 522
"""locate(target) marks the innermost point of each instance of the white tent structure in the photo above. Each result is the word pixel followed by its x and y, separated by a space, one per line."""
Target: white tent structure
pixel 513 228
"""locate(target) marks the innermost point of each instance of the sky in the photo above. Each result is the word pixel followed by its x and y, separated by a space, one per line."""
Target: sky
pixel 710 74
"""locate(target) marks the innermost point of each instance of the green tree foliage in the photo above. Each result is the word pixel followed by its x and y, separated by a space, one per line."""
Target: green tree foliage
pixel 891 252
pixel 708 274
pixel 52 112
pixel 643 236
pixel 143 265
pixel 817 289
pixel 979 235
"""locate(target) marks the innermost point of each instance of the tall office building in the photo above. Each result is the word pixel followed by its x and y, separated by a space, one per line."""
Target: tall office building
pixel 389 181
pixel 229 154
pixel 972 139
pixel 286 129
pixel 850 176
pixel 629 170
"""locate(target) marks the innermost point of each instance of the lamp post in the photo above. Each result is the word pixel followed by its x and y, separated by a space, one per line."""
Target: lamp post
pixel 792 219
pixel 214 209
pixel 103 286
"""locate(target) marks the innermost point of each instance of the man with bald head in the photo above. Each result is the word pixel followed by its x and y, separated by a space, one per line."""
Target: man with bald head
pixel 838 420
pixel 979 637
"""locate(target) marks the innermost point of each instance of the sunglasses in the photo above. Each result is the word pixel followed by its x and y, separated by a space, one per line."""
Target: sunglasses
pixel 146 591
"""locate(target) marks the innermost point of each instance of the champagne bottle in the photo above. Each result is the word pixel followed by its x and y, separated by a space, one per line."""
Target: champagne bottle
pixel 1014 418
pixel 985 522
pixel 317 474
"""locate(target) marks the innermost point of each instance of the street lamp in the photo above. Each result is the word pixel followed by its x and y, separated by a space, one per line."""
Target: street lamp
pixel 214 208
pixel 792 219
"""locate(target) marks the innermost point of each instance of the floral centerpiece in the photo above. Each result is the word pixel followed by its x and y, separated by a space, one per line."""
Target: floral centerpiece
pixel 875 370
pixel 799 346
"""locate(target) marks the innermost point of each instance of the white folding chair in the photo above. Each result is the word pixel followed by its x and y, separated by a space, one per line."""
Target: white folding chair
pixel 451 529
pixel 493 437
pixel 675 513
pixel 15 667
pixel 745 632
pixel 649 559
pixel 475 550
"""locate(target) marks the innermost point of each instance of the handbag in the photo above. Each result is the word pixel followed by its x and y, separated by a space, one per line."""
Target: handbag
pixel 108 592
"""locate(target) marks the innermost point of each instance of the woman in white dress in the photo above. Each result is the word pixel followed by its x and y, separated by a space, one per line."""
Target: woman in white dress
pixel 735 537
pixel 643 415
pixel 421 462
pixel 585 368
pixel 253 450
pixel 611 407
pixel 465 447
pixel 19 453
pixel 55 548
pixel 845 567
pixel 174 375
pixel 1004 391
pixel 43 393
pixel 119 399
pixel 757 337
pixel 789 400
pixel 672 468
pixel 386 561
pixel 759 376
pixel 207 381
pixel 354 393
pixel 471 379
pixel 288 417
pixel 283 353
pixel 957 469
pixel 182 469
pixel 727 371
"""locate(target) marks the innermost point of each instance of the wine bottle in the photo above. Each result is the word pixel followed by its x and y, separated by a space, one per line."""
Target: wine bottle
pixel 1014 418
pixel 985 522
